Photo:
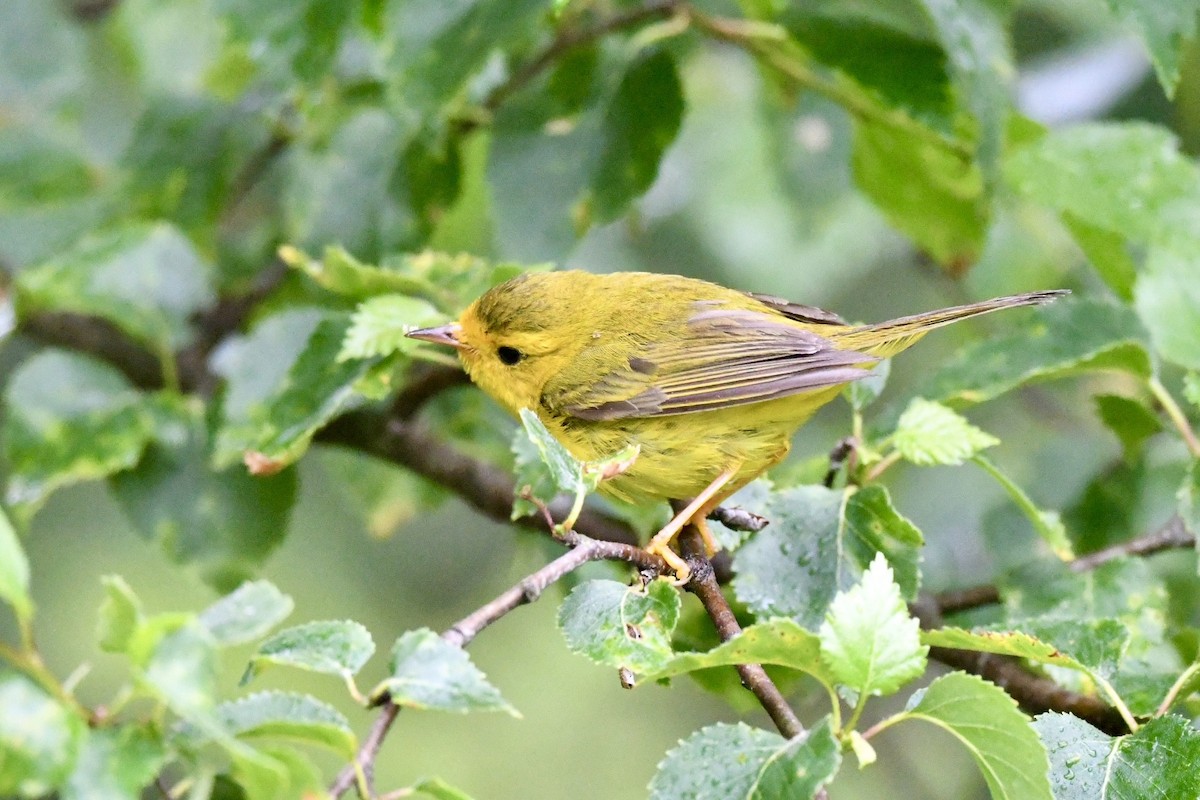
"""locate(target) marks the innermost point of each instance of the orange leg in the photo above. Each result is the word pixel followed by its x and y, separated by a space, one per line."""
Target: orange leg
pixel 696 513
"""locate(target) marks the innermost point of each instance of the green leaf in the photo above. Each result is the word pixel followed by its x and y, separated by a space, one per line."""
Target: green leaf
pixel 1167 298
pixel 929 433
pixel 1108 252
pixel 288 715
pixel 868 640
pixel 333 647
pixel 726 761
pixel 148 280
pixel 115 763
pixel 1166 28
pixel 439 789
pixel 621 626
pixel 182 671
pixel 926 189
pixel 999 737
pixel 14 572
pixel 1151 764
pixel 1191 388
pixel 819 542
pixel 863 392
pixel 778 641
pixel 546 469
pixel 1064 338
pixel 247 613
pixel 226 522
pixel 640 123
pixel 120 615
pixel 379 326
pixel 1130 420
pixel 1092 646
pixel 1116 176
pixel 254 369
pixel 1188 499
pixel 68 419
pixel 39 739
pixel 427 672
pixel 316 388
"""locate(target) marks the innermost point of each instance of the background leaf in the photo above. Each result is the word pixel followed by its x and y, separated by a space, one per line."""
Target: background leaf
pixel 621 626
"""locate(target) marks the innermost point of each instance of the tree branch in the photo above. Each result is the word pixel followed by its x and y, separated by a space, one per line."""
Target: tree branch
pixel 462 633
pixel 1171 536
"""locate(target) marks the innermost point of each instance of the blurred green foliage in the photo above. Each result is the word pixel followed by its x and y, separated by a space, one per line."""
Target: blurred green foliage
pixel 218 218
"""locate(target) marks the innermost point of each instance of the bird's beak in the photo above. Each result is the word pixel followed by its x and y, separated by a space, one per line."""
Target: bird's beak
pixel 443 334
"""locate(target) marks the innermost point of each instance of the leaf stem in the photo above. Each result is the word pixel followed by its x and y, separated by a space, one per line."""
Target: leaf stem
pixel 1173 693
pixel 1175 414
pixel 1116 701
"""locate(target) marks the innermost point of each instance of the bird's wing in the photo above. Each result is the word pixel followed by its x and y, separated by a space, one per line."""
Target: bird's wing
pixel 728 357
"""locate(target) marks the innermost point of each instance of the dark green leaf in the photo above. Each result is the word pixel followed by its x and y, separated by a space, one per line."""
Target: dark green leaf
pixel 148 280
pixel 998 736
pixel 334 648
pixel 68 419
pixel 640 123
pixel 869 642
pixel 14 572
pixel 1064 338
pixel 1108 252
pixel 621 626
pixel 247 613
pixel 779 641
pixel 430 673
pixel 929 433
pixel 1166 28
pixel 115 763
pixel 1047 524
pixel 1130 420
pixel 1152 764
pixel 226 522
pixel 1167 298
pixel 726 761
pixel 819 542
pixel 287 715
pixel 39 739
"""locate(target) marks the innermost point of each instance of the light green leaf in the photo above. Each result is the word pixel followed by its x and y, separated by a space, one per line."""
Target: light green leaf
pixel 333 647
pixel 148 280
pixel 427 672
pixel 380 323
pixel 621 626
pixel 1191 388
pixel 1108 252
pixel 39 739
pixel 1151 764
pixel 1091 646
pixel 68 419
pixel 929 433
pixel 727 761
pixel 819 542
pixel 868 640
pixel 1167 298
pixel 1187 499
pixel 247 613
pixel 998 736
pixel 640 123
pixel 182 671
pixel 1166 28
pixel 863 392
pixel 779 641
pixel 287 715
pixel 14 572
pixel 439 789
pixel 1065 338
pixel 115 763
pixel 120 615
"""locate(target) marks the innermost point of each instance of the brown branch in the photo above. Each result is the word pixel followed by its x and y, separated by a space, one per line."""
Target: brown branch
pixel 1171 536
pixel 460 634
pixel 487 488
pixel 955 600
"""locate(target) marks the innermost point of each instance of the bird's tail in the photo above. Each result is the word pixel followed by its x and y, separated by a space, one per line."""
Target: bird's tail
pixel 885 339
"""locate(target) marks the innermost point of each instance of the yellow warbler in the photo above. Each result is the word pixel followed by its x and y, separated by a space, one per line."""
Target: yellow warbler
pixel 709 382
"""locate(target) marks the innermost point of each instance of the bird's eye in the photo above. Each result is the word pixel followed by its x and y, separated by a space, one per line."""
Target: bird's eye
pixel 509 355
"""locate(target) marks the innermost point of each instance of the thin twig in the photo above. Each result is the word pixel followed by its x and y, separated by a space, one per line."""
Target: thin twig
pixel 955 600
pixel 463 632
pixel 1171 536
pixel 1176 415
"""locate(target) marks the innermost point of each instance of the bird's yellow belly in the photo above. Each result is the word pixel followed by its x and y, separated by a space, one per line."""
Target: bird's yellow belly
pixel 682 454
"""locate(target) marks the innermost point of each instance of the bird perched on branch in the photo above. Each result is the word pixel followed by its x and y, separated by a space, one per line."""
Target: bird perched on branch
pixel 709 382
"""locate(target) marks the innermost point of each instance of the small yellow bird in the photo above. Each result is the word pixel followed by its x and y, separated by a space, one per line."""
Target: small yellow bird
pixel 709 382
